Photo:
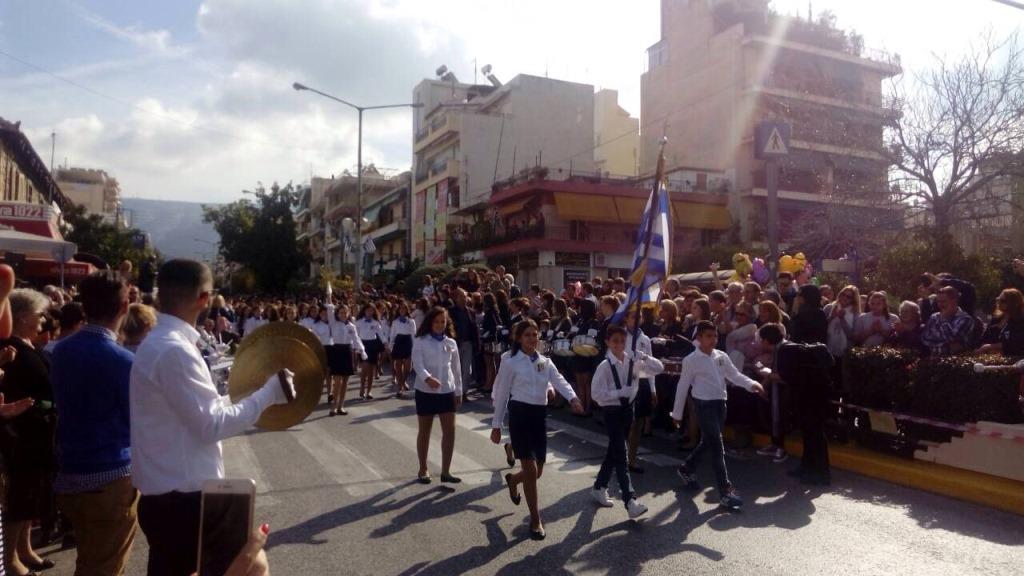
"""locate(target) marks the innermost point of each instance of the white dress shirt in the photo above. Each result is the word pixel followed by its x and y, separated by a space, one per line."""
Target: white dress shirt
pixel 399 328
pixel 643 344
pixel 177 417
pixel 307 322
pixel 323 332
pixel 707 375
pixel 345 334
pixel 524 379
pixel 438 359
pixel 602 387
pixel 370 330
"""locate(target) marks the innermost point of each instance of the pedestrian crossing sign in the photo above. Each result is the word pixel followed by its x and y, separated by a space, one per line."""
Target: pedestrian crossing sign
pixel 771 139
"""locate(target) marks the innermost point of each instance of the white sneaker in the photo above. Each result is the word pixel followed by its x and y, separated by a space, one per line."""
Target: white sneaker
pixel 780 456
pixel 768 450
pixel 635 509
pixel 601 497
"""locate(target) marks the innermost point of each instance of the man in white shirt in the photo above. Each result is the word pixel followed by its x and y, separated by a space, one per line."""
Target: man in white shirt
pixel 706 370
pixel 178 420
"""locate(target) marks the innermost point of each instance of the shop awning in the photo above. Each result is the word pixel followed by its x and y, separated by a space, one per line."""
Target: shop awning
pixel 700 216
pixel 513 207
pixel 33 245
pixel 586 207
pixel 631 210
pixel 41 269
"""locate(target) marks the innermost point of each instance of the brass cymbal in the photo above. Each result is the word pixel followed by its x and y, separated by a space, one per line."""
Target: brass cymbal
pixel 263 358
pixel 275 330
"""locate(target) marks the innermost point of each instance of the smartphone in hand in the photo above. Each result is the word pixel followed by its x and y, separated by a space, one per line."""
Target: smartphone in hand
pixel 225 522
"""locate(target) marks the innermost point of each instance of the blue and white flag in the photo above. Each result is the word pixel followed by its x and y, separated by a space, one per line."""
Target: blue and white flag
pixel 652 256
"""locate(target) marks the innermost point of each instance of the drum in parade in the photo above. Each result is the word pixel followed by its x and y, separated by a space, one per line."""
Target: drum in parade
pixel 562 347
pixel 498 348
pixel 585 345
pixel 659 347
pixel 673 365
pixel 544 347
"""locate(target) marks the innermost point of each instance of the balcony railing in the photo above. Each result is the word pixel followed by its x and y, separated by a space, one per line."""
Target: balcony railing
pixel 465 238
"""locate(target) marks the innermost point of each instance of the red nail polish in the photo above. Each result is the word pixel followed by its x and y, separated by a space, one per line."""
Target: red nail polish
pixel 265 529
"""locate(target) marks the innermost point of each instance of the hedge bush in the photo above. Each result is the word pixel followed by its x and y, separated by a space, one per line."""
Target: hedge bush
pixel 414 281
pixel 944 388
pixel 879 378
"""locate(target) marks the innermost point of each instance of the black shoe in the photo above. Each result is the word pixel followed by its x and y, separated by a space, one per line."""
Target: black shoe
pixel 537 534
pixel 46 564
pixel 331 413
pixel 424 479
pixel 513 496
pixel 449 479
pixel 330 398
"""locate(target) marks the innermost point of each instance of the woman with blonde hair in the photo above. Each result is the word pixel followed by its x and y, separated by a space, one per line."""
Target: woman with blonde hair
pixel 136 326
pixel 842 316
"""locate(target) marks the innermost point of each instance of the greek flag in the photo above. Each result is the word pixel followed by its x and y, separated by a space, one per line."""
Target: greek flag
pixel 652 256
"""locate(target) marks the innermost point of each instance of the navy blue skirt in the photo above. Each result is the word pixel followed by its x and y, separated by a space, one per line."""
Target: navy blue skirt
pixel 428 404
pixel 372 348
pixel 527 428
pixel 339 360
pixel 402 348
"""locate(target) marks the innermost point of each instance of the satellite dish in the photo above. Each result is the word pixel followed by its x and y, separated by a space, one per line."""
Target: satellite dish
pixel 441 71
pixel 486 70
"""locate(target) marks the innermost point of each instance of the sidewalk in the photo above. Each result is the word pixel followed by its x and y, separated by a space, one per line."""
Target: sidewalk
pixel 987 490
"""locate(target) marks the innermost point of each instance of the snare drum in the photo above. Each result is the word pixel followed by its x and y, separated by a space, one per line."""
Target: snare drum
pixel 659 347
pixel 585 346
pixel 544 347
pixel 498 348
pixel 673 365
pixel 562 347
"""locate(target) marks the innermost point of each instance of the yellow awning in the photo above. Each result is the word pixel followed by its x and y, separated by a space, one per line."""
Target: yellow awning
pixel 586 207
pixel 513 207
pixel 700 216
pixel 631 210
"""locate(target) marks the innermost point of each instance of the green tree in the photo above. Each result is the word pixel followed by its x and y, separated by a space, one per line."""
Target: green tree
pixel 259 233
pixel 94 236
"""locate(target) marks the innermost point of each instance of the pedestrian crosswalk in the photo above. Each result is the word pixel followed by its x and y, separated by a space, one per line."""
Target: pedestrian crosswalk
pixel 359 471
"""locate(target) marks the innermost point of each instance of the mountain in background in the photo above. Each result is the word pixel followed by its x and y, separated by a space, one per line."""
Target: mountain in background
pixel 173 227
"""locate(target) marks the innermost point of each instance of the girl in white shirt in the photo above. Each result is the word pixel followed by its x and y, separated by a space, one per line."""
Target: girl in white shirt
pixel 614 388
pixel 874 327
pixel 842 318
pixel 346 342
pixel 521 388
pixel 372 334
pixel 435 358
pixel 403 329
pixel 321 328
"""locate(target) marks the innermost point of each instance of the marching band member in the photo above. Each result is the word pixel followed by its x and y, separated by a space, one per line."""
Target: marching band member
pixel 435 359
pixel 583 366
pixel 403 328
pixel 615 388
pixel 521 389
pixel 339 356
pixel 371 333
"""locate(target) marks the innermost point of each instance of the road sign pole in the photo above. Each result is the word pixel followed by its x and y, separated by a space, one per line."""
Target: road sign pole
pixel 772 168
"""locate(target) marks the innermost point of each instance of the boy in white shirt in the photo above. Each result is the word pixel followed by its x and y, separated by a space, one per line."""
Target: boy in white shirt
pixel 705 371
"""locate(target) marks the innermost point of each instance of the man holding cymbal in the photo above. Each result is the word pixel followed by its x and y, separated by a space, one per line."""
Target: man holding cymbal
pixel 178 419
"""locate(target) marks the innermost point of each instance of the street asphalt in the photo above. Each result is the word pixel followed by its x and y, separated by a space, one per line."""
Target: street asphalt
pixel 340 496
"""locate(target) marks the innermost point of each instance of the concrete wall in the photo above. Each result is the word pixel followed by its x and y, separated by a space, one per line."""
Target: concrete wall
pixel 616 136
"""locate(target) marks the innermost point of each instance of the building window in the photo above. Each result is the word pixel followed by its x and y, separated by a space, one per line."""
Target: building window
pixel 710 238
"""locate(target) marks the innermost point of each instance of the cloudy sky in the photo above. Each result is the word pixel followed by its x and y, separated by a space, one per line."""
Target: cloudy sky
pixel 192 100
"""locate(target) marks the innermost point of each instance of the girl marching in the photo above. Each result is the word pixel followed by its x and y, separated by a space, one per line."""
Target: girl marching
pixel 521 389
pixel 339 356
pixel 435 359
pixel 371 333
pixel 614 388
pixel 403 328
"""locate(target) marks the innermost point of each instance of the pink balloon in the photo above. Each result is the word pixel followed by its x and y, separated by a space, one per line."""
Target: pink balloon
pixel 760 271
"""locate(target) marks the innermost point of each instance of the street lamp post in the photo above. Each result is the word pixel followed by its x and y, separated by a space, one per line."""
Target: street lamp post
pixel 357 284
